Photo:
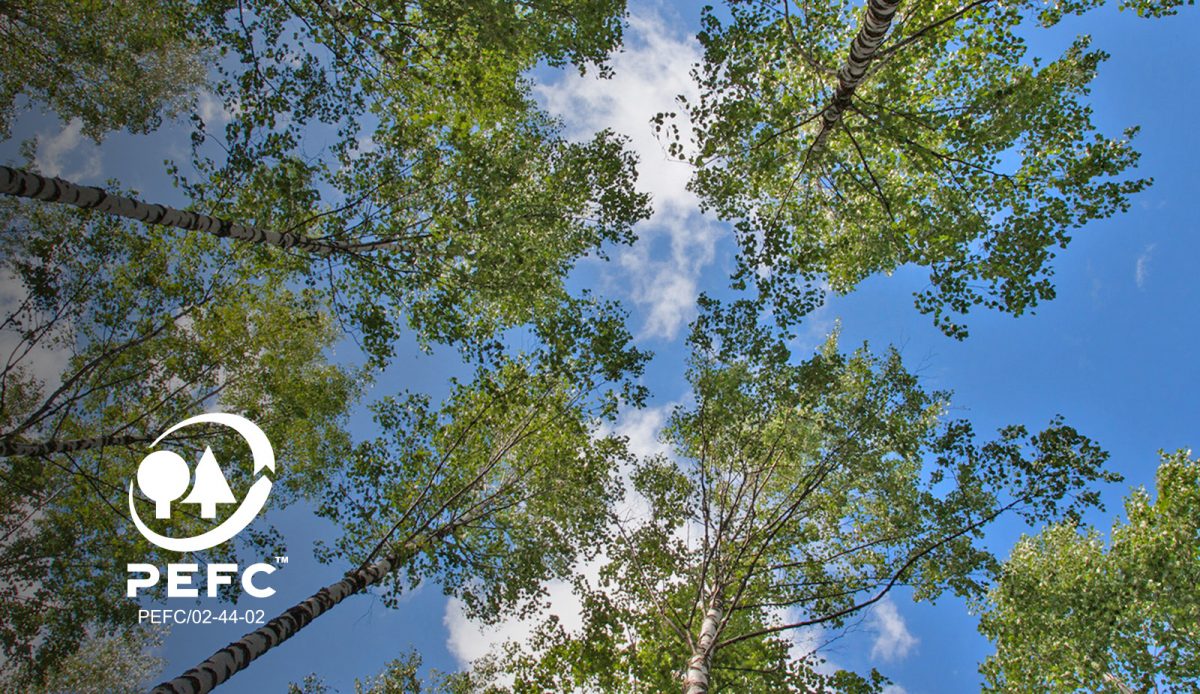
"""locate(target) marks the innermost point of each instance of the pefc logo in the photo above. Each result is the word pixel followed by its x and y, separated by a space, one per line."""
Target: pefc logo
pixel 164 476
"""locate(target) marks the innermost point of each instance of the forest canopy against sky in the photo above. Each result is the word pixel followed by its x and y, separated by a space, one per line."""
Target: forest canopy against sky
pixel 607 347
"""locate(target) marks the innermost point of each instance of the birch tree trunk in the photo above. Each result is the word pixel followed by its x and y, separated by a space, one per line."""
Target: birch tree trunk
pixel 1117 683
pixel 20 183
pixel 695 681
pixel 876 22
pixel 235 657
pixel 9 447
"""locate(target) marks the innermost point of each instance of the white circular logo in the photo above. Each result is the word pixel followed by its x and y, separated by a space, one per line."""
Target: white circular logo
pixel 163 476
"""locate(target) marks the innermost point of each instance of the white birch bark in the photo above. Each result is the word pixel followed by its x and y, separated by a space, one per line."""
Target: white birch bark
pixel 1117 683
pixel 9 447
pixel 235 657
pixel 695 681
pixel 876 21
pixel 20 183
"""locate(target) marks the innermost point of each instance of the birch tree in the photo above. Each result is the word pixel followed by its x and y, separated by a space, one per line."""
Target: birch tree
pixel 109 337
pixel 1072 612
pixel 450 201
pixel 799 495
pixel 495 491
pixel 845 140
pixel 397 149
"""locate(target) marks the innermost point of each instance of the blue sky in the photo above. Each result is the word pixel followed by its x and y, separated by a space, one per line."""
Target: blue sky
pixel 1113 353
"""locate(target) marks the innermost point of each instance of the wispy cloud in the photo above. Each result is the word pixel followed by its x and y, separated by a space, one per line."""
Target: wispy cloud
pixel 212 110
pixel 54 151
pixel 661 272
pixel 470 640
pixel 1141 270
pixel 810 642
pixel 893 640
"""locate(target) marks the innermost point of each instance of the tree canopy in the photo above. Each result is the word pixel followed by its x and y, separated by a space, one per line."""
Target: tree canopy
pixel 797 494
pixel 1072 612
pixel 117 662
pixel 112 337
pixel 842 142
pixel 455 205
pixel 363 175
pixel 118 64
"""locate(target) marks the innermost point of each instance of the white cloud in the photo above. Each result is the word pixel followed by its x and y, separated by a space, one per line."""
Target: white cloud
pixel 815 640
pixel 893 641
pixel 1142 268
pixel 649 73
pixel 643 429
pixel 666 288
pixel 809 641
pixel 46 360
pixel 53 151
pixel 470 640
pixel 212 110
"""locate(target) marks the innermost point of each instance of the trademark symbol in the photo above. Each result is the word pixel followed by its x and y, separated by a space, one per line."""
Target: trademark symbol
pixel 281 560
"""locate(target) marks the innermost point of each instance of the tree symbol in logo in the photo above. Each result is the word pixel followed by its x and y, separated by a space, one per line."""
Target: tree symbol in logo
pixel 163 476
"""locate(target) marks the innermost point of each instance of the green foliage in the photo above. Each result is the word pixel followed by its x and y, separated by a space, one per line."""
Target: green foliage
pixel 1072 613
pixel 461 204
pixel 1155 8
pixel 958 151
pixel 471 205
pixel 117 333
pixel 499 487
pixel 114 334
pixel 112 64
pixel 400 676
pixel 468 208
pixel 801 493
pixel 118 662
